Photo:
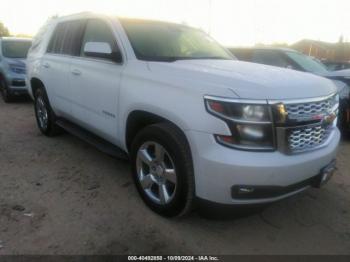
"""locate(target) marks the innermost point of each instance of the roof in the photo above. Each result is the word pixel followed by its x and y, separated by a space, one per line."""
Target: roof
pixel 283 49
pixel 15 38
pixel 81 15
pixel 320 44
pixel 92 15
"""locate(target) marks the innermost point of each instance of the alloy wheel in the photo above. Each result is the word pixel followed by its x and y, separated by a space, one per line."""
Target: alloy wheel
pixel 156 172
pixel 42 112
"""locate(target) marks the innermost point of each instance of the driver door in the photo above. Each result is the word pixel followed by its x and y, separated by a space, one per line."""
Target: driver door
pixel 95 82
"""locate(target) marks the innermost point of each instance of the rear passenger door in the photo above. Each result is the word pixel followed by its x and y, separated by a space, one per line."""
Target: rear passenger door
pixel 63 44
pixel 95 83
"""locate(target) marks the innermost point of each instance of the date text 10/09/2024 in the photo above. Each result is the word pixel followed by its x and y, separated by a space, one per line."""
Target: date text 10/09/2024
pixel 173 258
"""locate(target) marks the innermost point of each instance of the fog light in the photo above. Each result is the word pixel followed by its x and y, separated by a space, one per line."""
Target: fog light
pixel 252 133
pixel 245 190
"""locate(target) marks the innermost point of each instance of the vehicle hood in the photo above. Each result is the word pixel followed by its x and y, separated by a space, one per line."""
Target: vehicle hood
pixel 340 73
pixel 341 79
pixel 245 80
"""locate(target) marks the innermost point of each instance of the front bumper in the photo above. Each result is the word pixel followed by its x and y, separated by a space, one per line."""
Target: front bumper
pixel 219 169
pixel 16 84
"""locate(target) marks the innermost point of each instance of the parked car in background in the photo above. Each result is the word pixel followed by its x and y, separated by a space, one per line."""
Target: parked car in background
pixel 197 125
pixel 336 66
pixel 289 58
pixel 13 52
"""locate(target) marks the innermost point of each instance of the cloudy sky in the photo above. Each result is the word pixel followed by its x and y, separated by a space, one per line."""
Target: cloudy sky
pixel 231 22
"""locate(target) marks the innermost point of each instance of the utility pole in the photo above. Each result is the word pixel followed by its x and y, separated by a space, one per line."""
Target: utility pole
pixel 210 16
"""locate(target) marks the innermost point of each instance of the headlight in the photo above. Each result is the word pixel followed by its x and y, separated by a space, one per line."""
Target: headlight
pixel 249 121
pixel 254 112
pixel 239 111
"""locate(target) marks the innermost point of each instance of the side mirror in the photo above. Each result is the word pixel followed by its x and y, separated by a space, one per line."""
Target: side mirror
pixel 101 50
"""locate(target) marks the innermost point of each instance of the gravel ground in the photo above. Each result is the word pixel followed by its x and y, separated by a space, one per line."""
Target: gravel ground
pixel 61 196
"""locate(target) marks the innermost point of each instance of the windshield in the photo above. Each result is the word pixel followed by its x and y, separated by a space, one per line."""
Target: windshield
pixel 15 49
pixel 159 41
pixel 307 63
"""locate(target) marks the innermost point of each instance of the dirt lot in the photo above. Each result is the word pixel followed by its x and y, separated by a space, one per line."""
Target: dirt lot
pixel 61 196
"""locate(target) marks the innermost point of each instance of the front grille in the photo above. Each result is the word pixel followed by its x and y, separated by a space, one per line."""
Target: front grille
pixel 311 108
pixel 18 82
pixel 308 137
pixel 305 125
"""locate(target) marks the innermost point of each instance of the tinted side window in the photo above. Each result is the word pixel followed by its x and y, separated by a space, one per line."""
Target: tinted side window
pixel 98 31
pixel 56 41
pixel 242 54
pixel 268 57
pixel 66 38
pixel 72 38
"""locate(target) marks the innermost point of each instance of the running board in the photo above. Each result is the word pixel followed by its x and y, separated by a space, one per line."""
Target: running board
pixel 101 144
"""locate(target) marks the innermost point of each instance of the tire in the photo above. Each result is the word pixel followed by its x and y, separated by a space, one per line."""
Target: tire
pixel 45 116
pixel 174 174
pixel 5 93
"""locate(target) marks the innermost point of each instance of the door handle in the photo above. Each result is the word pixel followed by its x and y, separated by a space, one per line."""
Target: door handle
pixel 46 65
pixel 76 72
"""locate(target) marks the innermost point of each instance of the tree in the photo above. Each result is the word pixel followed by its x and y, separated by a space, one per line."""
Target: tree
pixel 3 30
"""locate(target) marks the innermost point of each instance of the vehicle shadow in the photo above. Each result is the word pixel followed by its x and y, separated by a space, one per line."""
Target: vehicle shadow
pixel 21 99
pixel 215 212
pixel 345 135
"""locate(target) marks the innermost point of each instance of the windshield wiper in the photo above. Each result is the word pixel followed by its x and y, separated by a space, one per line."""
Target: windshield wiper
pixel 176 58
pixel 159 59
pixel 212 57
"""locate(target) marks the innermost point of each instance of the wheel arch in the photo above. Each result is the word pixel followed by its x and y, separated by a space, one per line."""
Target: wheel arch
pixel 36 83
pixel 139 119
pixel 3 76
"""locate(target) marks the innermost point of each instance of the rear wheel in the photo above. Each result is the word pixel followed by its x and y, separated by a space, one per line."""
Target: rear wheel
pixel 45 117
pixel 162 169
pixel 5 93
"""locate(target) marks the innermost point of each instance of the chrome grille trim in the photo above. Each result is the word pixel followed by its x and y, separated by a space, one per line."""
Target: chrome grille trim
pixel 309 108
pixel 300 101
pixel 312 108
pixel 308 138
pixel 304 127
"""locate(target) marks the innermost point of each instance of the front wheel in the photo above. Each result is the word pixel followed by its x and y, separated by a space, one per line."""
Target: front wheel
pixel 45 117
pixel 162 169
pixel 5 93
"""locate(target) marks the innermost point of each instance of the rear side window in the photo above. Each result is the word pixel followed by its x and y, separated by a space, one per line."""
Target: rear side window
pixel 268 57
pixel 66 38
pixel 56 41
pixel 242 54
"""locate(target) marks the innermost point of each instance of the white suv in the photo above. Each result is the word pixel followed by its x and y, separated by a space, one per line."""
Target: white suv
pixel 196 124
